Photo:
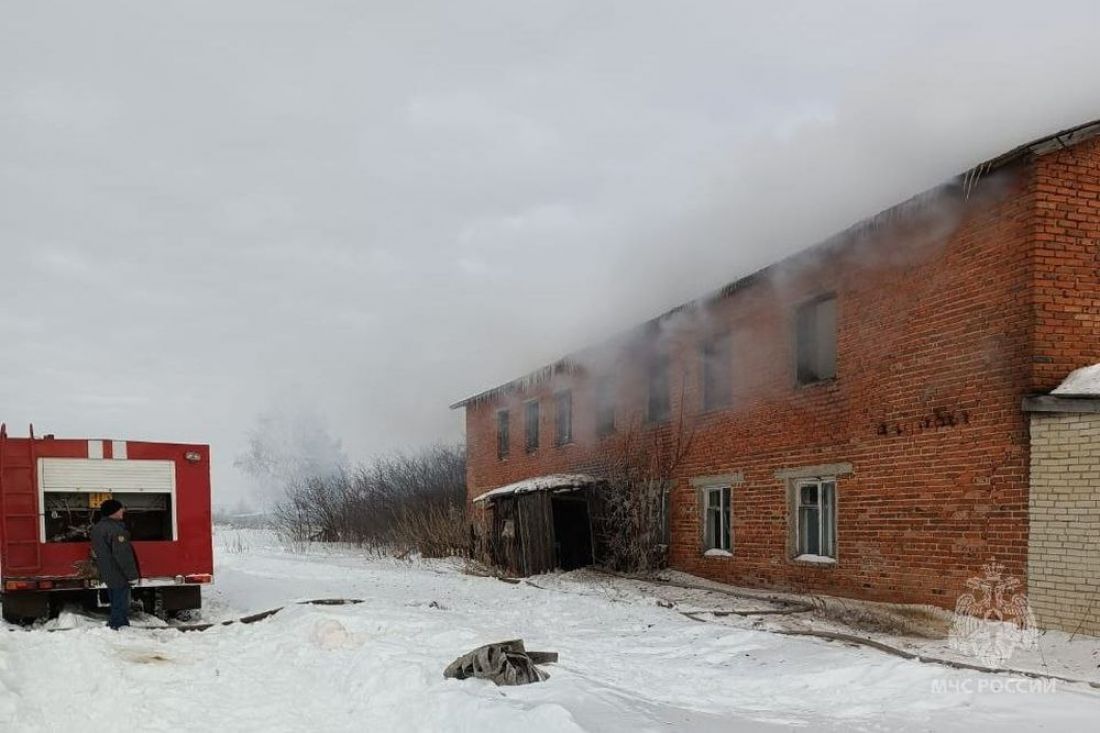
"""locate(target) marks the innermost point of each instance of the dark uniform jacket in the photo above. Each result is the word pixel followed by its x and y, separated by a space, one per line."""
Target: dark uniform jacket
pixel 113 554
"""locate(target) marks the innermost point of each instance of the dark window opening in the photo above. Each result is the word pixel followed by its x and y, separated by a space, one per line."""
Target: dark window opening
pixel 658 409
pixel 605 406
pixel 717 534
pixel 816 337
pixel 717 373
pixel 502 433
pixel 70 515
pixel 531 425
pixel 563 417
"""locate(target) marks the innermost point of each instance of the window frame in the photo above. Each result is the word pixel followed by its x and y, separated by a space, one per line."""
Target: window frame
pixel 658 364
pixel 531 437
pixel 724 521
pixel 504 434
pixel 826 519
pixel 563 437
pixel 716 346
pixel 802 376
pixel 606 399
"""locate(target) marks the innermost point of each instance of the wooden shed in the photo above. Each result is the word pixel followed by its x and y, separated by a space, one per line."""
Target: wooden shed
pixel 544 523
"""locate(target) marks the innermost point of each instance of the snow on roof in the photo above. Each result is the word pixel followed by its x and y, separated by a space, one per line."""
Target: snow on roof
pixel 552 482
pixel 1083 381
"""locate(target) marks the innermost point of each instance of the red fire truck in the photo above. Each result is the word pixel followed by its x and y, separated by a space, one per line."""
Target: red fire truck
pixel 50 492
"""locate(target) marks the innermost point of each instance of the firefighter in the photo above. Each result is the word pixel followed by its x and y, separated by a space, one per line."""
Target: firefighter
pixel 115 559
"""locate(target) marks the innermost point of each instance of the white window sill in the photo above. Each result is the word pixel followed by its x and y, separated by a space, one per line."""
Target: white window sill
pixel 715 552
pixel 815 559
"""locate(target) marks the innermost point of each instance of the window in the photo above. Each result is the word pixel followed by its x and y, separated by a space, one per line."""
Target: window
pixel 717 531
pixel 816 337
pixel 658 389
pixel 816 518
pixel 503 437
pixel 717 373
pixel 531 425
pixel 563 417
pixel 605 406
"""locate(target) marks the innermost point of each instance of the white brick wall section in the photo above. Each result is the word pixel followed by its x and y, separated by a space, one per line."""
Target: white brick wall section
pixel 1064 516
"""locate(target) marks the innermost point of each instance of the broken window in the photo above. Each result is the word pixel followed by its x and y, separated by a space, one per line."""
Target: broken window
pixel 717 532
pixel 658 389
pixel 605 406
pixel 816 512
pixel 816 337
pixel 502 433
pixel 563 417
pixel 69 515
pixel 531 425
pixel 717 372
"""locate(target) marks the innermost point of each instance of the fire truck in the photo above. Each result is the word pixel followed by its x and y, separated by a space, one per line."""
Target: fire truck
pixel 50 492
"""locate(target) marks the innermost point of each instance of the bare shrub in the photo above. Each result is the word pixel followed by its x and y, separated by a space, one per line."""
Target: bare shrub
pixel 435 531
pixel 634 512
pixel 404 503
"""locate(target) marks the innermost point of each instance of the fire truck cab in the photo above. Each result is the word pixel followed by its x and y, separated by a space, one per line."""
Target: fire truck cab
pixel 50 492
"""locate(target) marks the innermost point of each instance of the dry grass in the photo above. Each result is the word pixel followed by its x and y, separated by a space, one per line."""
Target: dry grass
pixel 433 531
pixel 890 619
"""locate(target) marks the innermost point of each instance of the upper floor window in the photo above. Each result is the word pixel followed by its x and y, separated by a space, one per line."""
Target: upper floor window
pixel 658 407
pixel 503 438
pixel 717 372
pixel 605 406
pixel 816 340
pixel 531 425
pixel 563 417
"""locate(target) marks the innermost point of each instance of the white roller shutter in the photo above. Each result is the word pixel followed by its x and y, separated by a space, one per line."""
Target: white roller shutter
pixel 83 474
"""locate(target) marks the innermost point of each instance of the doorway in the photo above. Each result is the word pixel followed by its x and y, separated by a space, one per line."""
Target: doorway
pixel 572 532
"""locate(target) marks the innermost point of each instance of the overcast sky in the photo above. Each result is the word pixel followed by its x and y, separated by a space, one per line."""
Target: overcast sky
pixel 210 210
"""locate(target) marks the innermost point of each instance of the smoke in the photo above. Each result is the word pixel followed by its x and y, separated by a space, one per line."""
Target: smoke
pixel 287 446
pixel 394 206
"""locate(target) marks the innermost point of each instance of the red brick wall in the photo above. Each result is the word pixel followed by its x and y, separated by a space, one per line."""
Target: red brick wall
pixel 1066 263
pixel 948 313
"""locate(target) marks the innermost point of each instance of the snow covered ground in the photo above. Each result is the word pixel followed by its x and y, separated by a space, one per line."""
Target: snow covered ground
pixel 627 663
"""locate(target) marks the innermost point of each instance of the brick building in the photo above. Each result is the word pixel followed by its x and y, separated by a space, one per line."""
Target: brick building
pixel 854 411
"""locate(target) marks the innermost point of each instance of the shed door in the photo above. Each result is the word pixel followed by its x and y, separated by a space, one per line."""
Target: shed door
pixel 535 518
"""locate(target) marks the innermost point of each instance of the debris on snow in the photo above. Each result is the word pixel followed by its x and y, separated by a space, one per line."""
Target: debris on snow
pixel 505 663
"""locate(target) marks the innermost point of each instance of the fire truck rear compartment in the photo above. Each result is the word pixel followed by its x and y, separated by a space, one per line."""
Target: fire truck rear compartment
pixel 71 514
